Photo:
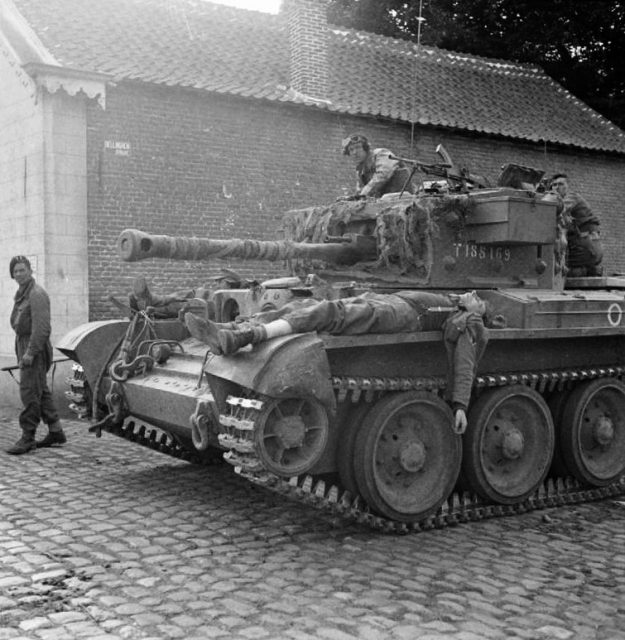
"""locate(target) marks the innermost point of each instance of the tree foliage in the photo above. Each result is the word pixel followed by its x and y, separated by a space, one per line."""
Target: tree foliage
pixel 580 44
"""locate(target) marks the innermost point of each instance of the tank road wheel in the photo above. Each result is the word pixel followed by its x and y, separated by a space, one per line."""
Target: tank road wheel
pixel 291 435
pixel 508 445
pixel 592 436
pixel 407 456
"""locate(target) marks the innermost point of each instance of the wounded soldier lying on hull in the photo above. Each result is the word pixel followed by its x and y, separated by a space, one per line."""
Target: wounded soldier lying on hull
pixel 464 329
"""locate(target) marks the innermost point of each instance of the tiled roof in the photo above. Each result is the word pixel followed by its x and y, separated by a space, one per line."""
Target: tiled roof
pixel 207 46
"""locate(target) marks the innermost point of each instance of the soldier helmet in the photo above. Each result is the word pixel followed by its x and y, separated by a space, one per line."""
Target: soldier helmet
pixel 356 138
pixel 18 260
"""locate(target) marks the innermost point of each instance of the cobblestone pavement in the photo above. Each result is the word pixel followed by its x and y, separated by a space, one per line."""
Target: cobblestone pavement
pixel 105 539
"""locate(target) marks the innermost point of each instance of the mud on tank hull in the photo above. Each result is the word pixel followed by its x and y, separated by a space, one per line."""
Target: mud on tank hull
pixel 358 424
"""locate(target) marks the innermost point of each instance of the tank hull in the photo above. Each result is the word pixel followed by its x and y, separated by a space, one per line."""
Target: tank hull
pixel 230 403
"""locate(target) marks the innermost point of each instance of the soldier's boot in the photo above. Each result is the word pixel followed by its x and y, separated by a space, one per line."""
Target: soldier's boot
pixel 141 290
pixel 55 436
pixel 206 331
pixel 25 444
pixel 140 298
pixel 231 340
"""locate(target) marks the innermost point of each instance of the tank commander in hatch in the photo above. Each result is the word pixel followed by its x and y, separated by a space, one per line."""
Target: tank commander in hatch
pixel 464 331
pixel 585 251
pixel 377 170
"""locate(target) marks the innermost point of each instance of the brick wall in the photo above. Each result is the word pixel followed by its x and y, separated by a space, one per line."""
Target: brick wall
pixel 186 163
pixel 214 167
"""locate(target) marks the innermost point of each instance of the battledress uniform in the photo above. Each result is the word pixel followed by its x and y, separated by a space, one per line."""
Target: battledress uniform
pixel 30 320
pixel 378 174
pixel 465 338
pixel 464 334
pixel 585 251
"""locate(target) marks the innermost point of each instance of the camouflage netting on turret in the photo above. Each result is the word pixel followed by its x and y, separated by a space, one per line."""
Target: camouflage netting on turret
pixel 404 228
pixel 314 223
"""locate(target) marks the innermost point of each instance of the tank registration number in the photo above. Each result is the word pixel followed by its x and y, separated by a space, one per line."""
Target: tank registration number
pixel 480 252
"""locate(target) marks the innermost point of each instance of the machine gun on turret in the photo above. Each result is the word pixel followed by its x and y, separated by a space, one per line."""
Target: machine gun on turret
pixel 459 178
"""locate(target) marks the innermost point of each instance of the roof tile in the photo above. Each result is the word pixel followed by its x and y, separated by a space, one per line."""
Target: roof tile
pixel 194 43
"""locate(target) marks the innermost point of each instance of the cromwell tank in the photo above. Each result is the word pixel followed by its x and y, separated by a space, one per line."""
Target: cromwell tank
pixel 358 424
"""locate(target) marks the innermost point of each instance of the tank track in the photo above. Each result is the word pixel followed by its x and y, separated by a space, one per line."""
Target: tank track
pixel 163 442
pixel 242 413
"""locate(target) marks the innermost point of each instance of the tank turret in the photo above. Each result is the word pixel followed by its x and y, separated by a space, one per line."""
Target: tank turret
pixel 501 237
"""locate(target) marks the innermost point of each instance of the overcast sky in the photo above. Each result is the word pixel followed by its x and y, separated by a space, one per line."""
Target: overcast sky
pixel 270 6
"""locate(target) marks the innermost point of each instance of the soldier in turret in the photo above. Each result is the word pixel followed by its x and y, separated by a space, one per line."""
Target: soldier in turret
pixel 585 251
pixel 464 332
pixel 377 170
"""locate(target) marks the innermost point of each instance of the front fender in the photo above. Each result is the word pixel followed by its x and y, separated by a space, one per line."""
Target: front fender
pixel 92 344
pixel 290 366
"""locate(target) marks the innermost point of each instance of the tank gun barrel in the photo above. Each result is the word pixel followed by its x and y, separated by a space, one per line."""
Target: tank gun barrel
pixel 134 245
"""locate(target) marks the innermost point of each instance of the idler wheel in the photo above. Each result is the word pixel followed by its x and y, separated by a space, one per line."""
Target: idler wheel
pixel 407 456
pixel 592 435
pixel 508 445
pixel 291 435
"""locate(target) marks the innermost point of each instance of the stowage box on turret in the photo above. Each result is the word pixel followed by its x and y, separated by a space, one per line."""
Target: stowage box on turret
pixel 359 424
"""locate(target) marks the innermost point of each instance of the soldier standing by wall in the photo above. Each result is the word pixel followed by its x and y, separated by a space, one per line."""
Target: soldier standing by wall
pixel 30 320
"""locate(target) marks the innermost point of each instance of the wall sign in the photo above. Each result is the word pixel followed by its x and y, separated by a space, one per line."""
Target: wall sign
pixel 118 147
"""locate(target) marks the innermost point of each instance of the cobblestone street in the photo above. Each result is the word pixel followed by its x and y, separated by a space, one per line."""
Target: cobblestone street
pixel 105 539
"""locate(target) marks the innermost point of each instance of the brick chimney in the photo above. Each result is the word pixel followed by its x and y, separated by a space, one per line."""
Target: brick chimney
pixel 307 28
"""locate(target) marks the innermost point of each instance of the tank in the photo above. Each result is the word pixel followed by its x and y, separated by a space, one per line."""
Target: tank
pixel 358 425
